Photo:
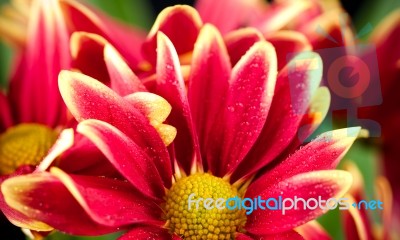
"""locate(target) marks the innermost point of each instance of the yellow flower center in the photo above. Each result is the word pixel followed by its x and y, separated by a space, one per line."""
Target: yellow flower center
pixel 193 210
pixel 24 144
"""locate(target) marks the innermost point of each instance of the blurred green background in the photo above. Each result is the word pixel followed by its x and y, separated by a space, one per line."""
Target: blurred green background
pixel 142 13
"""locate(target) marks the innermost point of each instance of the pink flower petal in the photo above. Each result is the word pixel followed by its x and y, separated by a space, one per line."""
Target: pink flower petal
pixel 289 235
pixel 239 41
pixel 126 156
pixel 87 98
pixel 87 53
pixel 95 164
pixel 43 197
pixel 171 86
pixel 295 86
pixel 33 88
pixel 226 15
pixel 313 231
pixel 335 24
pixel 171 21
pixel 288 44
pixel 6 119
pixel 280 14
pixel 123 80
pixel 318 184
pixel 248 102
pixel 64 141
pixel 126 39
pixel 146 232
pixel 316 113
pixel 323 153
pixel 15 216
pixel 208 84
pixel 242 236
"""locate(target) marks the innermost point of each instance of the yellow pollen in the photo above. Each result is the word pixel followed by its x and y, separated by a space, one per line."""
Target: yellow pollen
pixel 197 222
pixel 24 144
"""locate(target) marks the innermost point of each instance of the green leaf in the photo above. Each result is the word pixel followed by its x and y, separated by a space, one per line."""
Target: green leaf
pixel 136 12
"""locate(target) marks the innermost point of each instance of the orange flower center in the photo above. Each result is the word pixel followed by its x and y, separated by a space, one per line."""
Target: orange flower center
pixel 192 215
pixel 24 144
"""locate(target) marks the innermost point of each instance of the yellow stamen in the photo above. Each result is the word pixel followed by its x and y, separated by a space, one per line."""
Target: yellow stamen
pixel 197 222
pixel 24 144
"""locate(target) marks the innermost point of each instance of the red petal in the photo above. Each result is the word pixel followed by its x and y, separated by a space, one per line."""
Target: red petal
pixel 171 21
pixel 43 197
pixel 95 164
pixel 322 153
pixel 226 15
pixel 126 156
pixel 296 84
pixel 335 24
pixel 242 236
pixel 171 86
pixel 87 53
pixel 288 44
pixel 239 41
pixel 33 89
pixel 87 98
pixel 145 232
pixel 15 216
pixel 126 39
pixel 6 120
pixel 64 141
pixel 318 184
pixel 289 235
pixel 123 80
pixel 208 84
pixel 313 231
pixel 279 15
pixel 385 36
pixel 248 102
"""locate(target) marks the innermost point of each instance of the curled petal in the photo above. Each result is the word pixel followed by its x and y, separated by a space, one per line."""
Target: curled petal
pixel 239 41
pixel 43 197
pixel 171 21
pixel 87 55
pixel 288 44
pixel 87 98
pixel 126 156
pixel 322 185
pixel 125 39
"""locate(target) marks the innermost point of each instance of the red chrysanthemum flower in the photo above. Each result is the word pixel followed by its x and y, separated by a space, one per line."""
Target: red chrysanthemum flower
pixel 238 129
pixel 32 113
